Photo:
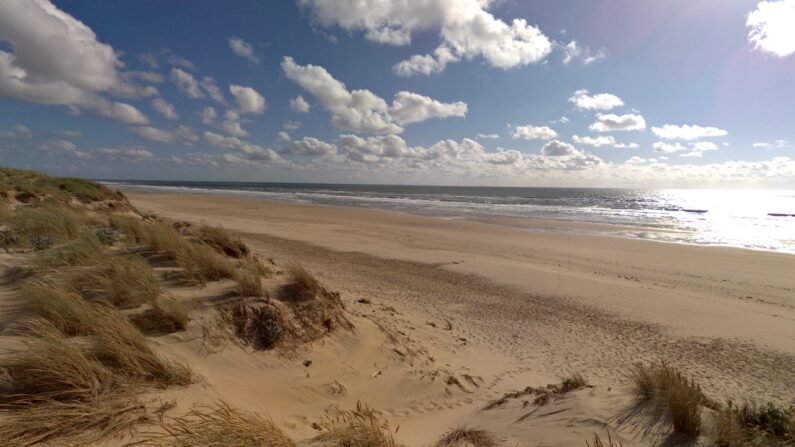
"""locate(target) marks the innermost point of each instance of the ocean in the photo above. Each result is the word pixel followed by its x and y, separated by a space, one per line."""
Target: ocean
pixel 755 219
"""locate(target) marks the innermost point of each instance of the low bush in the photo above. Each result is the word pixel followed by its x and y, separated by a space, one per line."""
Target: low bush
pixel 259 324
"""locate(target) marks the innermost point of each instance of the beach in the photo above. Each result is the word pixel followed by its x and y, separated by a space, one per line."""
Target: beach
pixel 509 307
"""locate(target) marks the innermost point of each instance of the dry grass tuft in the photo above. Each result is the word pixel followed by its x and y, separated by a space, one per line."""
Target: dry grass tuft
pixel 223 243
pixel 86 250
pixel 72 423
pixel 466 437
pixel 667 386
pixel 259 324
pixel 301 287
pixel 122 347
pixel 166 316
pixel 357 428
pixel 50 368
pixel 546 394
pixel 61 306
pixel 124 281
pixel 216 426
pixel 249 283
pixel 597 441
pixel 755 425
pixel 131 227
pixel 40 227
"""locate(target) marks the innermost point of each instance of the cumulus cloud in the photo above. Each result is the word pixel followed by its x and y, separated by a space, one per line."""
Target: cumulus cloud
pixel 248 100
pixel 599 141
pixel 772 27
pixel 600 101
pixel 466 29
pixel 135 153
pixel 687 132
pixel 18 131
pixel 530 132
pixel 299 104
pixel 283 136
pixel 312 147
pixel 57 60
pixel 193 88
pixel 243 49
pixel 250 151
pixel 165 108
pixel 208 115
pixel 410 108
pixel 667 148
pixel 703 146
pixel 572 51
pixel 612 123
pixel 362 110
pixel 182 134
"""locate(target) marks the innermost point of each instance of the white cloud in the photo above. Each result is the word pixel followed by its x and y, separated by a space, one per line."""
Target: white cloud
pixel 186 83
pixel 165 108
pixel 703 146
pixel 243 49
pixel 362 110
pixel 250 151
pixel 531 132
pixel 599 101
pixel 248 100
pixel 182 134
pixel 208 85
pixel 574 52
pixel 18 131
pixel 410 108
pixel 687 132
pixel 299 104
pixel 626 145
pixel 772 27
pixel 467 30
pixel 599 141
pixel 613 123
pixel 208 115
pixel 135 153
pixel 691 154
pixel 778 144
pixel 667 148
pixel 58 146
pixel 292 125
pixel 283 136
pixel 312 147
pixel 488 136
pixel 57 60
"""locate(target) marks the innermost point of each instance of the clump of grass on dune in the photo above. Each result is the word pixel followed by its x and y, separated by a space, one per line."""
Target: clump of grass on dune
pixel 259 324
pixel 357 428
pixel 131 227
pixel 40 227
pixel 51 368
pixel 222 242
pixel 667 386
pixel 167 315
pixel 546 394
pixel 755 425
pixel 119 345
pixel 302 285
pixel 60 305
pixel 597 441
pixel 125 281
pixel 466 437
pixel 86 250
pixel 216 426
pixel 249 283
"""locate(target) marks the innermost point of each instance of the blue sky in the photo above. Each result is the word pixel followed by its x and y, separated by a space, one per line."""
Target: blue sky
pixel 568 93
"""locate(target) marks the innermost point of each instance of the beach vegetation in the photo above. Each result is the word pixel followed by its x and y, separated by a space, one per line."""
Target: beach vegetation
pixel 258 323
pixel 464 436
pixel 360 427
pixel 302 286
pixel 221 241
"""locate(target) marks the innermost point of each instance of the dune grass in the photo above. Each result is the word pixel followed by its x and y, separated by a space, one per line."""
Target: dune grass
pixel 41 227
pixel 545 394
pixel 62 188
pixel 86 250
pixel 216 426
pixel 167 315
pixel 464 436
pixel 754 425
pixel 356 428
pixel 249 283
pixel 60 305
pixel 257 323
pixel 597 441
pixel 124 281
pixel 667 386
pixel 131 227
pixel 222 242
pixel 302 286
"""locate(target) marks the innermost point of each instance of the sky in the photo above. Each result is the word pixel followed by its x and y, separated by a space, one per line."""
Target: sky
pixel 598 93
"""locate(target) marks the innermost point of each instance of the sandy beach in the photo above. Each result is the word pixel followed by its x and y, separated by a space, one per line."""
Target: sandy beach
pixel 499 308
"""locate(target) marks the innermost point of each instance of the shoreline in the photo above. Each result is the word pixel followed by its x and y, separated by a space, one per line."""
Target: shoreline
pixel 527 223
pixel 688 290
